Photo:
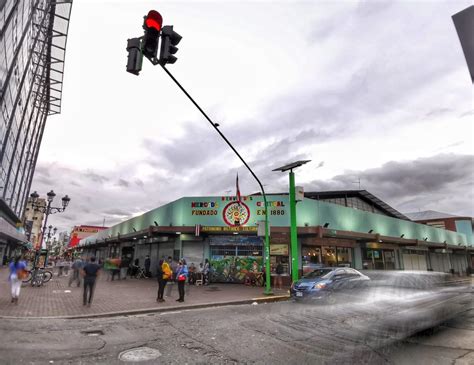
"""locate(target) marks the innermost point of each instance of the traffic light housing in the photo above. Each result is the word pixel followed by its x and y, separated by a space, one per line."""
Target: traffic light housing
pixel 169 41
pixel 135 57
pixel 152 25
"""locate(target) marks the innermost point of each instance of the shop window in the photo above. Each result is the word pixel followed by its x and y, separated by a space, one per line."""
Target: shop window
pixel 344 256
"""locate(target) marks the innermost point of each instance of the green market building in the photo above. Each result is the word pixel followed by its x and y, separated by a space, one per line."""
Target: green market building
pixel 342 228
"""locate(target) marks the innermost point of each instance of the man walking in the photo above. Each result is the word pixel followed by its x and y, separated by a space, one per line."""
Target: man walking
pixel 90 273
pixel 76 268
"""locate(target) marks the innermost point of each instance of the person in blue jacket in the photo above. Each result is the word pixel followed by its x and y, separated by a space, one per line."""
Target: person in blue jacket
pixel 181 277
pixel 17 268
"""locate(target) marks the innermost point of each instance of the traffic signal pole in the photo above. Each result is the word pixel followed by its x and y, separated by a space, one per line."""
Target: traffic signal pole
pixel 268 289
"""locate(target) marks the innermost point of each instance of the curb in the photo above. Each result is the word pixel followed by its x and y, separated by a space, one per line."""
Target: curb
pixel 269 299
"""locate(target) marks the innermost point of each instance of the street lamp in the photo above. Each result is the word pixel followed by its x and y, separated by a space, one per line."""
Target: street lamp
pixel 48 209
pixel 293 227
pixel 49 235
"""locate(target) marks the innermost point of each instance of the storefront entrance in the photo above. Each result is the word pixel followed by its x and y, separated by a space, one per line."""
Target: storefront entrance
pixel 378 259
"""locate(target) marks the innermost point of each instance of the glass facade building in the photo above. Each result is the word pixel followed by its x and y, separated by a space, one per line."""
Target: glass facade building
pixel 33 35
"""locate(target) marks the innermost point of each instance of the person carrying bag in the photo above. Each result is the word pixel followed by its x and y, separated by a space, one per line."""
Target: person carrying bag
pixel 181 276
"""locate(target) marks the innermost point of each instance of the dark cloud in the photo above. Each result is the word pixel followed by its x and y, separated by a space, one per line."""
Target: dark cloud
pixel 139 183
pixel 123 183
pixel 95 177
pixel 116 212
pixel 426 183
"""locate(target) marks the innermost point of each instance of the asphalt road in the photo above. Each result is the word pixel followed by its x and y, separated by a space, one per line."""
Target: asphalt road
pixel 366 332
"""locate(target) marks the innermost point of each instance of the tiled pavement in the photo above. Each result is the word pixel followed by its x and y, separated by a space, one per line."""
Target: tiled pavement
pixel 56 299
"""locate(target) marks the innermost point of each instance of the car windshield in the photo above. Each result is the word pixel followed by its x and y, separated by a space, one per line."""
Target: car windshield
pixel 319 273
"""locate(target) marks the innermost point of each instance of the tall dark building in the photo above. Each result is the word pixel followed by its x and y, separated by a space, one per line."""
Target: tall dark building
pixel 33 35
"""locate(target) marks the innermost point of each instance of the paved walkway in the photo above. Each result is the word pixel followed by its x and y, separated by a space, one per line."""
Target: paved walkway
pixel 56 299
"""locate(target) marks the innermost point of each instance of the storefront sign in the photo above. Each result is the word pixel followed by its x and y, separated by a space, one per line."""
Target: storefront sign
pixel 281 250
pixel 229 229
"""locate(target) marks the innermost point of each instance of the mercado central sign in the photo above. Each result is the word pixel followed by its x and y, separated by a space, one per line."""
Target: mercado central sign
pixel 231 213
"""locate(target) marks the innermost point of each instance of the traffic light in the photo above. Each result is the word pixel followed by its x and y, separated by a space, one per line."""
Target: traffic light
pixel 169 41
pixel 135 57
pixel 152 26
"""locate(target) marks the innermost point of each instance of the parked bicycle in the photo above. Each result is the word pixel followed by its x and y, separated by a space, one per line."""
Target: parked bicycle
pixel 38 276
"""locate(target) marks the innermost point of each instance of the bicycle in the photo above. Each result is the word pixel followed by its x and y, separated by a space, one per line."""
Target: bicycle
pixel 140 273
pixel 40 276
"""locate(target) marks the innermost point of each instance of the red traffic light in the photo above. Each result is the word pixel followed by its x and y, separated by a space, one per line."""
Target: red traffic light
pixel 154 20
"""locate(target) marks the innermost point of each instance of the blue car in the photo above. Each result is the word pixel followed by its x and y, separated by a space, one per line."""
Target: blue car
pixel 321 283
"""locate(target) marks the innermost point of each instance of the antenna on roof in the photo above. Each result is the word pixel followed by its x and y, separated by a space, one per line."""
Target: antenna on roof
pixel 357 182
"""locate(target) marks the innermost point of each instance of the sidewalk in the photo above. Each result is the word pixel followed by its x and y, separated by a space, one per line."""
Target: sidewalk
pixel 119 297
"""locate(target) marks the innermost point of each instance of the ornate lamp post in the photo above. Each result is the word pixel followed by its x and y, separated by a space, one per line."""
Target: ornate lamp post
pixel 48 209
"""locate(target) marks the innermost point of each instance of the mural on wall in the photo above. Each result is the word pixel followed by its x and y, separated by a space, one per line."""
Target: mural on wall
pixel 233 269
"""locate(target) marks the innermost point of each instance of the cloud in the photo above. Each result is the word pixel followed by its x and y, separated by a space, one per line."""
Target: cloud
pixel 95 177
pixel 123 183
pixel 116 212
pixel 425 183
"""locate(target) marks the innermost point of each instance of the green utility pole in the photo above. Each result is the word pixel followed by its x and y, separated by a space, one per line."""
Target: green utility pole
pixel 268 284
pixel 293 230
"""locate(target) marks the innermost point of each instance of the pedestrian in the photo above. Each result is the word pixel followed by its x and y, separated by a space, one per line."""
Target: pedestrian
pixel 76 268
pixel 67 265
pixel 147 266
pixel 192 274
pixel 90 272
pixel 278 273
pixel 164 274
pixel 115 267
pixel 181 277
pixel 205 272
pixel 171 281
pixel 124 264
pixel 17 274
pixel 135 267
pixel 108 269
pixel 60 265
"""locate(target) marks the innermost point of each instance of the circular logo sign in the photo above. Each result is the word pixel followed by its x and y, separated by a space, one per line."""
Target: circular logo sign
pixel 236 214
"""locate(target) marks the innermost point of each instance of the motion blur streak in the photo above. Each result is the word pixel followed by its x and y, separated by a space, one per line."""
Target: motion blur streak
pixel 347 323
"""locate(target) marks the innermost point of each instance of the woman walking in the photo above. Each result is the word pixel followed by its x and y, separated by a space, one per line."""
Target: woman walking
pixel 17 271
pixel 181 277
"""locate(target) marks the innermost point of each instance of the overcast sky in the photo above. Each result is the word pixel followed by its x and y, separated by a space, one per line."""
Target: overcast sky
pixel 371 90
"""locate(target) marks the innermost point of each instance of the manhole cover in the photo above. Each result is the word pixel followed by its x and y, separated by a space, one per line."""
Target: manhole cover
pixel 93 333
pixel 139 354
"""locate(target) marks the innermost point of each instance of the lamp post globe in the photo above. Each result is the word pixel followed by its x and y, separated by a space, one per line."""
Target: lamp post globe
pixel 66 199
pixel 51 196
pixel 34 196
